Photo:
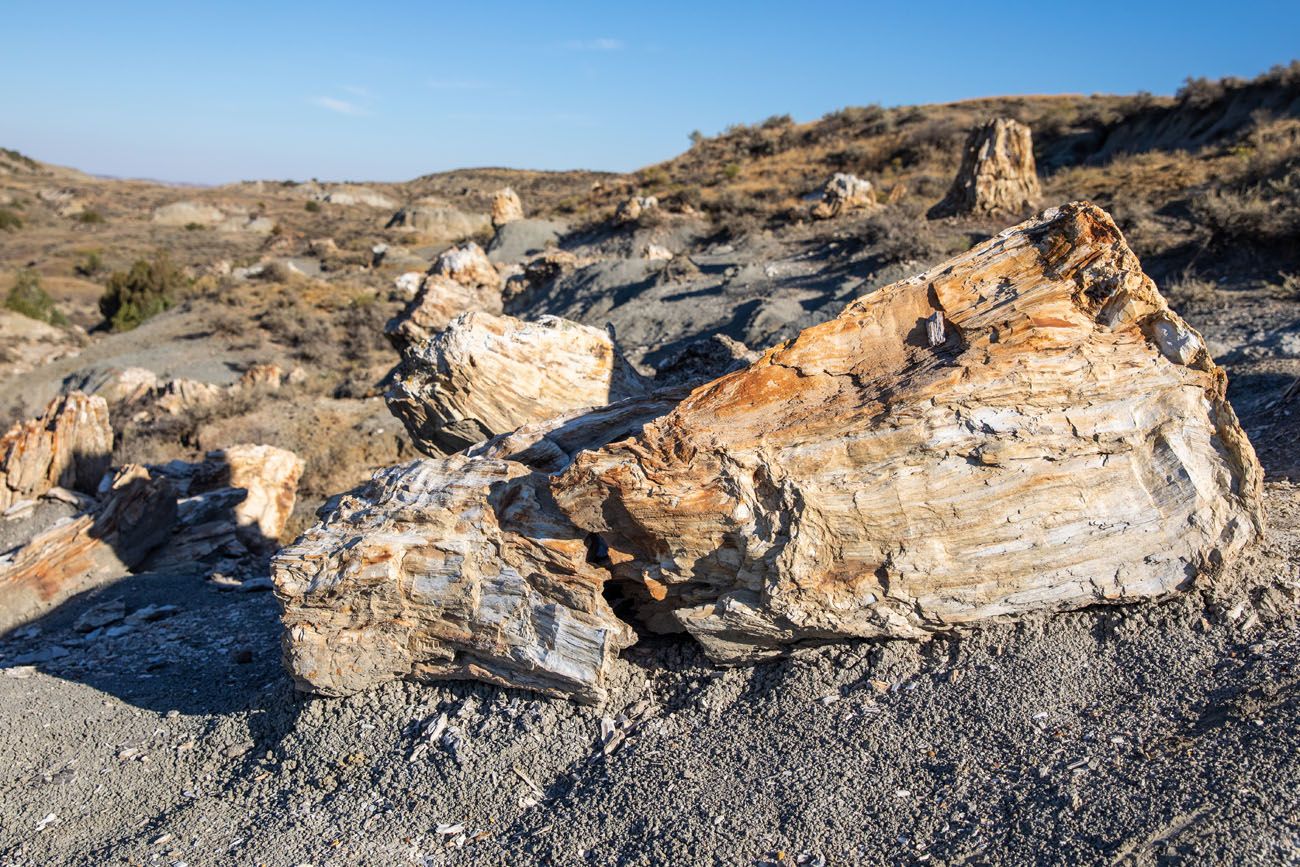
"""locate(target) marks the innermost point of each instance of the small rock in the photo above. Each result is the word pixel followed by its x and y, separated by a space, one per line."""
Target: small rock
pixel 151 613
pixel 223 582
pixel 100 615
pixel 234 751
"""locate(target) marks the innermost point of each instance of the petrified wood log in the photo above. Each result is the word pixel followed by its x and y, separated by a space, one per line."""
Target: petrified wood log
pixel 69 446
pixel 461 280
pixel 135 515
pixel 1026 427
pixel 485 375
pixel 998 175
pixel 844 193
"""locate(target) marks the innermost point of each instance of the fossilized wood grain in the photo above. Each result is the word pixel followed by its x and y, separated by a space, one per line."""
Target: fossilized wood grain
pixel 1069 443
pixel 486 375
pixel 998 175
pixel 460 567
pixel 135 515
pixel 68 446
pixel 1026 427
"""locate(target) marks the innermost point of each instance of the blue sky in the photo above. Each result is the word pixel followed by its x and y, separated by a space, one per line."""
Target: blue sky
pixel 216 92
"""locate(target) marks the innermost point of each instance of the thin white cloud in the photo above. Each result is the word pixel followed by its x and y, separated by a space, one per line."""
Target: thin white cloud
pixel 340 106
pixel 456 84
pixel 603 43
pixel 357 90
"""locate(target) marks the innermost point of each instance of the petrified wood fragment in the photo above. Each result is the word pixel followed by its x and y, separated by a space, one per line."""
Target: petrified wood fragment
pixel 485 375
pixel 135 515
pixel 461 280
pixel 1025 427
pixel 69 446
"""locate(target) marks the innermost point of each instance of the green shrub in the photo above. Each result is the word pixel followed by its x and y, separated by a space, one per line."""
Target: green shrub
pixel 149 288
pixel 312 206
pixel 9 221
pixel 731 170
pixel 16 157
pixel 28 298
pixel 194 227
pixel 90 264
pixel 90 217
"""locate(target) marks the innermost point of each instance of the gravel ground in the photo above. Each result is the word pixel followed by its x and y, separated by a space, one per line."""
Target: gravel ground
pixel 1150 734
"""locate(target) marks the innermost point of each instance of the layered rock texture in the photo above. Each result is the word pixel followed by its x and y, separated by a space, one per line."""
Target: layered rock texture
pixel 1025 427
pixel 462 280
pixel 269 476
pixel 998 176
pixel 134 515
pixel 230 507
pixel 485 375
pixel 69 446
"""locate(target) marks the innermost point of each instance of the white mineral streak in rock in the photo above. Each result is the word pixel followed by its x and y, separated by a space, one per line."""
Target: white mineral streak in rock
pixel 1067 443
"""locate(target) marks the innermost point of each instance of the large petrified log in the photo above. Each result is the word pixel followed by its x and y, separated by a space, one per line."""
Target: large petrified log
pixel 135 515
pixel 69 446
pixel 1025 427
pixel 485 375
pixel 998 175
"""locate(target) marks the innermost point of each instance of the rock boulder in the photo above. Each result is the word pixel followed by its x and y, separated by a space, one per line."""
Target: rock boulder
pixel 69 446
pixel 1027 427
pixel 487 374
pixel 506 207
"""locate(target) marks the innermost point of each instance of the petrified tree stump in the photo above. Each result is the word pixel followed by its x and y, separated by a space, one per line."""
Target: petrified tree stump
pixel 69 446
pixel 998 176
pixel 1062 440
pixel 506 207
